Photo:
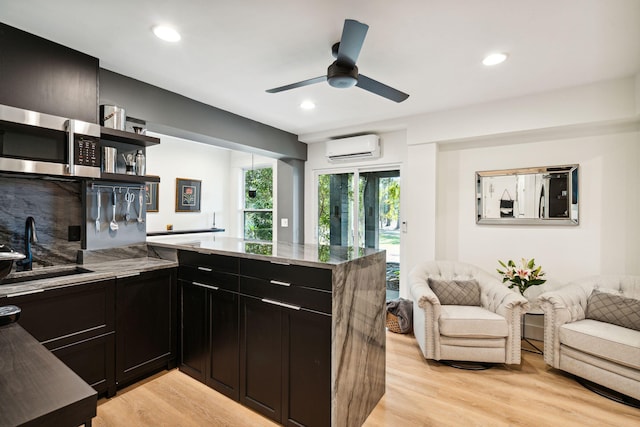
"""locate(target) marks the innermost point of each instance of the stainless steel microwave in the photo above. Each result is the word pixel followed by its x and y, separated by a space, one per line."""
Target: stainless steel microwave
pixel 38 143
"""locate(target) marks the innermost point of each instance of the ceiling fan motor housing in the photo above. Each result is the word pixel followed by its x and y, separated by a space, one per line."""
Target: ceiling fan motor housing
pixel 342 76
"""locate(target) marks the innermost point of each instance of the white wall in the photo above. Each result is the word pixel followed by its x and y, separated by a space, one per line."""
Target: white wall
pixel 180 158
pixel 607 240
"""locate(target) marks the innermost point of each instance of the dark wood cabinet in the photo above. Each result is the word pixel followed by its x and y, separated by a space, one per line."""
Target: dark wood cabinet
pixel 43 76
pixel 285 358
pixel 262 357
pixel 308 371
pixel 77 324
pixel 194 350
pixel 259 332
pixel 209 320
pixel 146 324
pixel 285 351
pixel 223 362
pixel 209 337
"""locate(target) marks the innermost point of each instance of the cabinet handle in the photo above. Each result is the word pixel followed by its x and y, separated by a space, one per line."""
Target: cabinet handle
pixel 281 304
pixel 280 262
pixel 19 294
pixel 277 282
pixel 205 269
pixel 202 285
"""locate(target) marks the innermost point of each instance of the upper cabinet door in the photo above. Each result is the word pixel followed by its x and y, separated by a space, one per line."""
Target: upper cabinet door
pixel 43 76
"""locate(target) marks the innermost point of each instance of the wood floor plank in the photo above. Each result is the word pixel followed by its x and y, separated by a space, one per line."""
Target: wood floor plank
pixel 419 393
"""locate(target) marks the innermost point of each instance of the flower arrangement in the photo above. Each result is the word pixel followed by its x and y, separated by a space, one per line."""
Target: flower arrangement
pixel 521 277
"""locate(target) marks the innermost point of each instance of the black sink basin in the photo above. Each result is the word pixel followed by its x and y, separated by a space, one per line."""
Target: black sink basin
pixel 44 275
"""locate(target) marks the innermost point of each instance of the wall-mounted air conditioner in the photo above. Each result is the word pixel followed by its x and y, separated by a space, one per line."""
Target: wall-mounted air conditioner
pixel 356 147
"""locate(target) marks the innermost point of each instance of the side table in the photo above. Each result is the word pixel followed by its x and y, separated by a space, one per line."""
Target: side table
pixel 532 312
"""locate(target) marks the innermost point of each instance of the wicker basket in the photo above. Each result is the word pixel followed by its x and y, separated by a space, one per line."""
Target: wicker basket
pixel 392 323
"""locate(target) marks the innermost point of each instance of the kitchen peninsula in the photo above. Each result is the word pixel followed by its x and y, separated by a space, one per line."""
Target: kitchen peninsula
pixel 295 332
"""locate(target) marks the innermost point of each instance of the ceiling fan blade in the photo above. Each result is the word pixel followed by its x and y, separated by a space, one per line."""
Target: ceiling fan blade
pixel 298 84
pixel 381 89
pixel 353 34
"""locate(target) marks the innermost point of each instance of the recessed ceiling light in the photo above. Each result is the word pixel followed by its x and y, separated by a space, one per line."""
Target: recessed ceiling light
pixel 307 105
pixel 494 59
pixel 165 33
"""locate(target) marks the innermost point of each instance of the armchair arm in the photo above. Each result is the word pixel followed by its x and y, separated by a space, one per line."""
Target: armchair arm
pixel 498 298
pixel 565 305
pixel 426 312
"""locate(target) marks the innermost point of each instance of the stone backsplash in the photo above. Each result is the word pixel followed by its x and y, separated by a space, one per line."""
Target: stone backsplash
pixel 54 204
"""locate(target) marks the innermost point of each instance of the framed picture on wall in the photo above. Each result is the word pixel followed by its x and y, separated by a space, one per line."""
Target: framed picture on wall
pixel 187 195
pixel 151 196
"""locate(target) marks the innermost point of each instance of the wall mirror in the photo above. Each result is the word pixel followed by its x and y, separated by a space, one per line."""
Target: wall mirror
pixel 529 196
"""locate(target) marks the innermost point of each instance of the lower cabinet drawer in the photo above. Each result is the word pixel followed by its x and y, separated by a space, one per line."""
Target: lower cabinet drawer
pixel 93 361
pixel 208 276
pixel 312 299
pixel 297 275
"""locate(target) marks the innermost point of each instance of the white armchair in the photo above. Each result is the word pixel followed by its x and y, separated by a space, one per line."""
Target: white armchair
pixel 604 353
pixel 488 333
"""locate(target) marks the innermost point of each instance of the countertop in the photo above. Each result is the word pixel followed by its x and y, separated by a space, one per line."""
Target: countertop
pixel 323 256
pixel 98 271
pixel 36 387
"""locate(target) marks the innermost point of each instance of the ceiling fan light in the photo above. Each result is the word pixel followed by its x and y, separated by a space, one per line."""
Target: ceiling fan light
pixel 167 34
pixel 342 82
pixel 494 59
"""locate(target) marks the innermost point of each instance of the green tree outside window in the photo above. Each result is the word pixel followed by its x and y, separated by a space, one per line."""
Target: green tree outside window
pixel 258 204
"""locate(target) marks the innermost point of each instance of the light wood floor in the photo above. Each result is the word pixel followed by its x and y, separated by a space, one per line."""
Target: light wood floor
pixel 419 393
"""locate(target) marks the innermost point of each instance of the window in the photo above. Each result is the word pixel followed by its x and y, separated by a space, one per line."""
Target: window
pixel 258 204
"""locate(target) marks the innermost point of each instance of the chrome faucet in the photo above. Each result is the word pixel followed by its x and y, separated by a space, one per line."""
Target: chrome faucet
pixel 29 238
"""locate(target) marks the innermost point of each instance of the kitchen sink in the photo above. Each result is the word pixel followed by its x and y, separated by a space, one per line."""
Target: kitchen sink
pixel 50 274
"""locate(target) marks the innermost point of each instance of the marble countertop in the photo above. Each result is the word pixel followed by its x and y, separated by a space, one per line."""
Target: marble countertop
pixel 312 255
pixel 96 271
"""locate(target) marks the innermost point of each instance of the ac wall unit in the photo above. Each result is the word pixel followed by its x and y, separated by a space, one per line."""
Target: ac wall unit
pixel 356 147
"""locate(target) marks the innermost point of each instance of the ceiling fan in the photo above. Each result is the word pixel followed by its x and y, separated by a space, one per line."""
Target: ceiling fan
pixel 343 73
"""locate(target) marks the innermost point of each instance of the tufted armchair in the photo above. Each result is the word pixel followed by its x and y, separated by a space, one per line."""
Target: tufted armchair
pixel 598 351
pixel 488 333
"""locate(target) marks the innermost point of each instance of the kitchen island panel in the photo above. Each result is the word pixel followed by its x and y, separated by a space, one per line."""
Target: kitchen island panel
pixel 358 339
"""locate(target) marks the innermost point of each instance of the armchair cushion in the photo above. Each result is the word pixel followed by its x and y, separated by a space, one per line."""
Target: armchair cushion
pixel 604 340
pixel 614 309
pixel 471 322
pixel 455 292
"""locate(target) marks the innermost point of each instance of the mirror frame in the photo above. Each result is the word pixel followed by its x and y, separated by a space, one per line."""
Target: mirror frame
pixel 570 170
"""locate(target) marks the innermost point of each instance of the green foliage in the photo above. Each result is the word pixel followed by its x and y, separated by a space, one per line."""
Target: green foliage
pixel 324 210
pixel 260 180
pixel 258 217
pixel 389 200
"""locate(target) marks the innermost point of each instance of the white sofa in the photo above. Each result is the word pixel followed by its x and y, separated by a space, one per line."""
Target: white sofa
pixel 488 333
pixel 603 353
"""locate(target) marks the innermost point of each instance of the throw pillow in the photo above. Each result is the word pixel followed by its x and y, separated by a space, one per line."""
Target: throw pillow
pixel 456 292
pixel 614 309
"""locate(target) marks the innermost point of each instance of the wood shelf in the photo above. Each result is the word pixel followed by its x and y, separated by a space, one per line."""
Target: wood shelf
pixel 121 177
pixel 128 137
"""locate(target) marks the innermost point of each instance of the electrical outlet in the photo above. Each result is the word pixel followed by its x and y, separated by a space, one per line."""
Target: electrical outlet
pixel 284 222
pixel 75 233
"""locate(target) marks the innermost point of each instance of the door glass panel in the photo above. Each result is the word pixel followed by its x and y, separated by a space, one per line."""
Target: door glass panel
pixel 335 209
pixel 379 212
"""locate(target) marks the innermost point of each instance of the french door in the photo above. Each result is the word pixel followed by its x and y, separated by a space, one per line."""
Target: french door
pixel 360 208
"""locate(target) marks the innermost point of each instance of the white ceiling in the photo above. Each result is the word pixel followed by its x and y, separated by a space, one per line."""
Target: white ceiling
pixel 231 51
